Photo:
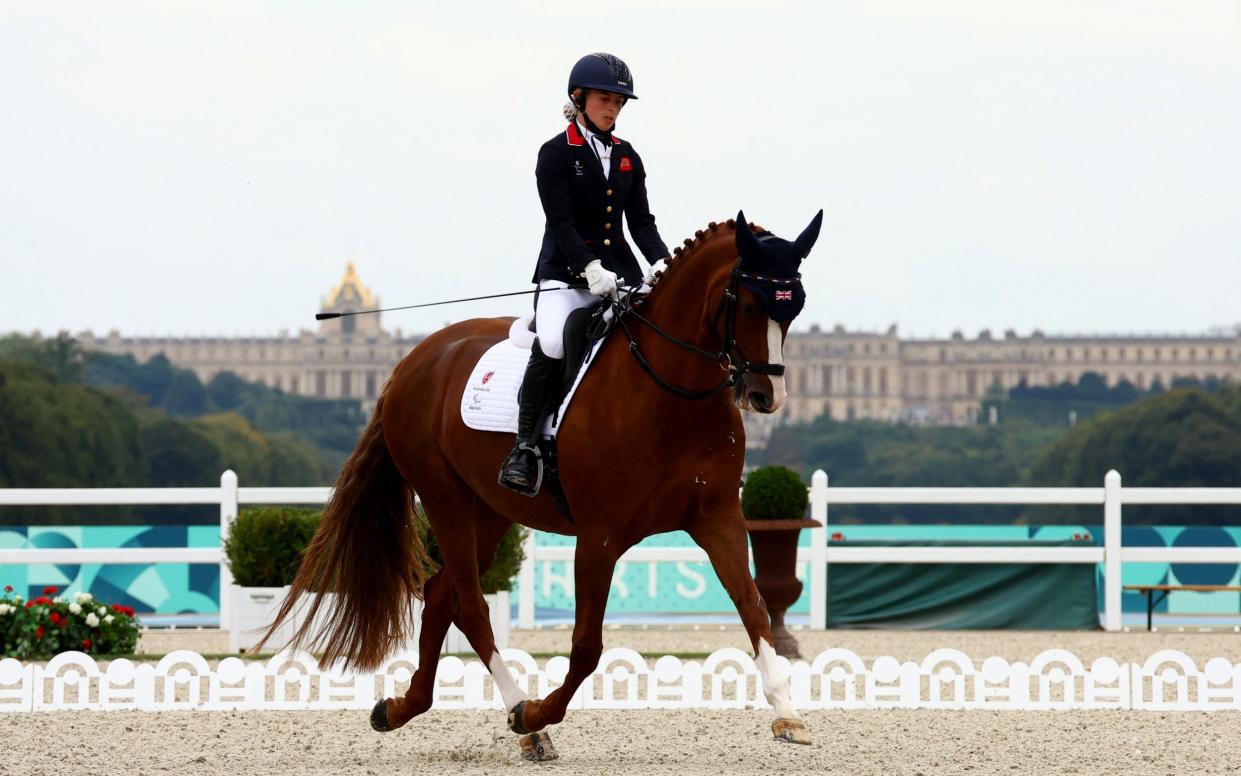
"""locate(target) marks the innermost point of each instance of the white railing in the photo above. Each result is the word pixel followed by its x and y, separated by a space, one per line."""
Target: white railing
pixel 1056 679
pixel 230 497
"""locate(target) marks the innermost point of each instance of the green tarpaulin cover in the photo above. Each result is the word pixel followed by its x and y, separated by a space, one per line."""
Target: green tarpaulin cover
pixel 936 596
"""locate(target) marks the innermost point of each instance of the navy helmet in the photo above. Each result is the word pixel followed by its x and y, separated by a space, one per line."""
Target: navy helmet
pixel 604 73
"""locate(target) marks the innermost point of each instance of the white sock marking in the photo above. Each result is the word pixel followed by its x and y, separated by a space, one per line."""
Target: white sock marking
pixel 509 691
pixel 775 681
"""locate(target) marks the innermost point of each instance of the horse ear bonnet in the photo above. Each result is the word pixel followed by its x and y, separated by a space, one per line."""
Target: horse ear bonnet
pixel 775 262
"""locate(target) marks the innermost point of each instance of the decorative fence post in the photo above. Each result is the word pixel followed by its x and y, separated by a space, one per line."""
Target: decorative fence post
pixel 228 513
pixel 818 550
pixel 1112 561
pixel 525 585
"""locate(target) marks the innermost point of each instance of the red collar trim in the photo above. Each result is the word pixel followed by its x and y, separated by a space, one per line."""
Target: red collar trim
pixel 573 135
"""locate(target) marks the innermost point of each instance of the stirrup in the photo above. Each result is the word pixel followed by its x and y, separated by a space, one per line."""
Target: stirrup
pixel 529 490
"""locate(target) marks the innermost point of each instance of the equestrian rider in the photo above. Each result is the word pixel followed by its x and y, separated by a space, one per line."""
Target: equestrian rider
pixel 588 179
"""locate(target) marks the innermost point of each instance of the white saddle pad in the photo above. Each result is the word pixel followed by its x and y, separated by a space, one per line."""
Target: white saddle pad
pixel 489 402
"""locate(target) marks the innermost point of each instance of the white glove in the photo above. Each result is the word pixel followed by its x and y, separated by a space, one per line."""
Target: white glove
pixel 659 266
pixel 602 281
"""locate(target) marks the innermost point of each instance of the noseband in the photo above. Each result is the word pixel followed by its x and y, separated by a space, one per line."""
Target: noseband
pixel 735 368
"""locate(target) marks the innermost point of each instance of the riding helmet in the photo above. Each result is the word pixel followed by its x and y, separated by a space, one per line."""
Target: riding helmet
pixel 604 73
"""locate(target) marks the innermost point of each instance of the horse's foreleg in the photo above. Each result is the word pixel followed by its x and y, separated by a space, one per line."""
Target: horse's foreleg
pixel 725 544
pixel 593 564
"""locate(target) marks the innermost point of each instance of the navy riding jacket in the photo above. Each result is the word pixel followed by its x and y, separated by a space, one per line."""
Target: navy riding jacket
pixel 584 210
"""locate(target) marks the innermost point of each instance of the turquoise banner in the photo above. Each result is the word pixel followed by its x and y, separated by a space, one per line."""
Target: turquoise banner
pixel 685 588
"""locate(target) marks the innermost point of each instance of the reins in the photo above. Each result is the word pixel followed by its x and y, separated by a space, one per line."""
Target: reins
pixel 623 308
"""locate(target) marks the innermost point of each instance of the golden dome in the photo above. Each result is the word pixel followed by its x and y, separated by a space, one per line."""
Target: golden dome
pixel 350 282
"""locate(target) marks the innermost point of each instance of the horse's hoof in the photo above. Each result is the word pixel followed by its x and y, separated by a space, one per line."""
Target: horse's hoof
pixel 379 717
pixel 515 721
pixel 537 747
pixel 791 731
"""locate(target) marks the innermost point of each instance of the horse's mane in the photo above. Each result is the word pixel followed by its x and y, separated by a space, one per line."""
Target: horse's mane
pixel 685 252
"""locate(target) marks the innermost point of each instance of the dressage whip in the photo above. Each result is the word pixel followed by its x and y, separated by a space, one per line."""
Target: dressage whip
pixel 329 316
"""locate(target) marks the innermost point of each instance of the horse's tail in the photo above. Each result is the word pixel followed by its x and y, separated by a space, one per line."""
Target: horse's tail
pixel 367 551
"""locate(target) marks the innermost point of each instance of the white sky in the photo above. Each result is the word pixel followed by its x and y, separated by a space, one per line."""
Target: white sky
pixel 207 168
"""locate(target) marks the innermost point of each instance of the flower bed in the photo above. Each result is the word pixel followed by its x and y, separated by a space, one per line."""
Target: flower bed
pixel 50 624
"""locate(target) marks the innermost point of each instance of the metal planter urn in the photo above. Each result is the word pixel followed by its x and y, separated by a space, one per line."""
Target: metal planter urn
pixel 774 543
pixel 774 501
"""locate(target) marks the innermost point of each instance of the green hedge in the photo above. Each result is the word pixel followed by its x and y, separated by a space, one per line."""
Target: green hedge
pixel 774 493
pixel 265 544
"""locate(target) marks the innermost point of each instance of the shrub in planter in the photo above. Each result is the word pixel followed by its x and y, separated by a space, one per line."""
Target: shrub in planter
pixel 265 545
pixel 774 493
pixel 45 626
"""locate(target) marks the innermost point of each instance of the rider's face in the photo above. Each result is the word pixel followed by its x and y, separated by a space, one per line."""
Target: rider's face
pixel 602 108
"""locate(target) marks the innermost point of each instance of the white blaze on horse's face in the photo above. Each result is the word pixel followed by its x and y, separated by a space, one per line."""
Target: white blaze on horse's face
pixel 775 355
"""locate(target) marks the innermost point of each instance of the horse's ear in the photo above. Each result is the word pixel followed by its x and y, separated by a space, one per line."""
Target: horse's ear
pixel 747 243
pixel 805 241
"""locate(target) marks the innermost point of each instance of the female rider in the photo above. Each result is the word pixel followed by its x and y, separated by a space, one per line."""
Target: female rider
pixel 588 179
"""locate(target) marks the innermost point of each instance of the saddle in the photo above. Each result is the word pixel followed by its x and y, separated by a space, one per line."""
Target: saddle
pixel 489 402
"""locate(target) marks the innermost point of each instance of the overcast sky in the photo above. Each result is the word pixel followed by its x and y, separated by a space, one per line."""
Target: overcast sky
pixel 208 168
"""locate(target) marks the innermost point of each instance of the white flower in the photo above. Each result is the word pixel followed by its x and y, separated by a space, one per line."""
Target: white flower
pixel 5 608
pixel 108 620
pixel 83 597
pixel 58 599
pixel 75 608
pixel 92 620
pixel 101 611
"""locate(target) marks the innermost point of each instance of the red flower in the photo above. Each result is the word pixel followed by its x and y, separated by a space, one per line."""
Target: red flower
pixel 54 617
pixel 43 600
pixel 29 604
pixel 8 588
pixel 38 632
pixel 51 590
pixel 86 643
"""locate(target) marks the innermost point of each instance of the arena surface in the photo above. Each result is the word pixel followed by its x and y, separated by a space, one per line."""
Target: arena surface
pixel 898 742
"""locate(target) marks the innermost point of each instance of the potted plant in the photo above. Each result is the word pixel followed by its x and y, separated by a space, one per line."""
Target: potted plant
pixel 774 501
pixel 496 582
pixel 264 547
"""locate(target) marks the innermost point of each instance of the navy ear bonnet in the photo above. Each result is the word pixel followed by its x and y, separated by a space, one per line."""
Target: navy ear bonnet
pixel 769 267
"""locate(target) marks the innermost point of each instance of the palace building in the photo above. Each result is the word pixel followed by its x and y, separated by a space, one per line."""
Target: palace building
pixel 846 375
pixel 347 358
pixel 853 375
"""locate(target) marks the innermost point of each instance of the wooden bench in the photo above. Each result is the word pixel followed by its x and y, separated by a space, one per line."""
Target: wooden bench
pixel 1150 590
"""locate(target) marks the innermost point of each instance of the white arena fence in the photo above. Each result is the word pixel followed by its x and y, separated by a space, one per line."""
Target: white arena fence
pixel 1111 497
pixel 727 679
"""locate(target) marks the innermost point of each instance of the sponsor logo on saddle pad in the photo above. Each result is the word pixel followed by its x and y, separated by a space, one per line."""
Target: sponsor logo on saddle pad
pixel 489 402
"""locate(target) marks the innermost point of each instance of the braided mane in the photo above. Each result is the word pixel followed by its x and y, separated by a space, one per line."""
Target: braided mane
pixel 690 247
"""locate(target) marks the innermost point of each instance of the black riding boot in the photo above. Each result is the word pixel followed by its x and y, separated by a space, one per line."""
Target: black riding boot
pixel 520 471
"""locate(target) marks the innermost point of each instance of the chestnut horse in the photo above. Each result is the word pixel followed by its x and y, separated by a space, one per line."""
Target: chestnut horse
pixel 651 444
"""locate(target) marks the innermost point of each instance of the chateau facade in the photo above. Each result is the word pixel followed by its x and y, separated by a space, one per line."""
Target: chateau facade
pixel 851 375
pixel 846 375
pixel 347 358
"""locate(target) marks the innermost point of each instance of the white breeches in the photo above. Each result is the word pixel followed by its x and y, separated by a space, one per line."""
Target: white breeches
pixel 552 311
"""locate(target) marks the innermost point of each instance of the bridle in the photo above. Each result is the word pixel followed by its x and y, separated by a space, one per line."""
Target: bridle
pixel 735 368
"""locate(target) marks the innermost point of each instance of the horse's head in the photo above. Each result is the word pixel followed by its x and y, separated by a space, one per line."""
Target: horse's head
pixel 769 295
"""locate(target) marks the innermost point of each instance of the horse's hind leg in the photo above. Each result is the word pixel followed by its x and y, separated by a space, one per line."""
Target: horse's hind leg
pixel 438 606
pixel 725 544
pixel 441 606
